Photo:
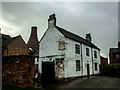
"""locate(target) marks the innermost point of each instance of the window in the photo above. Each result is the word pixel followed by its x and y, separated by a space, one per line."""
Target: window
pixel 77 65
pixel 77 48
pixel 87 51
pixel 95 66
pixel 117 56
pixel 95 54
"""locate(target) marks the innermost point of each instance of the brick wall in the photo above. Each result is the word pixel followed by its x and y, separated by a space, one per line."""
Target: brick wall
pixel 18 71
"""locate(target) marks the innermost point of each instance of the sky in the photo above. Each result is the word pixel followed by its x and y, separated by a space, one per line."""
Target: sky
pixel 98 18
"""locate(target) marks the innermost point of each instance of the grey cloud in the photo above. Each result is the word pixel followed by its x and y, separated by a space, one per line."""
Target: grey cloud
pixel 99 19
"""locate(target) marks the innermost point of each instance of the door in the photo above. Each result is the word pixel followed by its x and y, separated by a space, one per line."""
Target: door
pixel 88 71
pixel 48 72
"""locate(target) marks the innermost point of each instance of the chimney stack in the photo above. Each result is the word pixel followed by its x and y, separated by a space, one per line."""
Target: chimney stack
pixel 118 44
pixel 88 37
pixel 52 21
pixel 33 40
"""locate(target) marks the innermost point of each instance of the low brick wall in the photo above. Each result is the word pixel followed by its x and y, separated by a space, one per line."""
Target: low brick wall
pixel 18 71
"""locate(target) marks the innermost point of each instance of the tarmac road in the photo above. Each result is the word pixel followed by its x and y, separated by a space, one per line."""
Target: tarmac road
pixel 92 82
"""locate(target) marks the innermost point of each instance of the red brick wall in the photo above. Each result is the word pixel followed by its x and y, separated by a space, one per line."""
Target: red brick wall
pixel 113 58
pixel 104 61
pixel 18 71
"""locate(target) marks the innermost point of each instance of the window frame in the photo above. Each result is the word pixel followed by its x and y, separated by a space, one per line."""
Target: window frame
pixel 77 48
pixel 87 52
pixel 95 54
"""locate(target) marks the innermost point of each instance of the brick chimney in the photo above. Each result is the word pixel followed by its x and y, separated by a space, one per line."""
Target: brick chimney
pixel 52 21
pixel 33 40
pixel 88 37
pixel 118 44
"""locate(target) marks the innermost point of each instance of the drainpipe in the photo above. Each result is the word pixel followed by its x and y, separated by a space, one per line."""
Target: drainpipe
pixel 81 59
pixel 7 51
pixel 92 60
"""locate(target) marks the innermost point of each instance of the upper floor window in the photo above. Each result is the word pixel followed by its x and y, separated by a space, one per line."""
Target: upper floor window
pixel 87 51
pixel 77 48
pixel 77 65
pixel 95 54
pixel 117 56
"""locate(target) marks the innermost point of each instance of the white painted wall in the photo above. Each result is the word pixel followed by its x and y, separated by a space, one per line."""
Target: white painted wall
pixel 49 46
pixel 70 59
pixel 49 43
pixel 96 60
pixel 86 59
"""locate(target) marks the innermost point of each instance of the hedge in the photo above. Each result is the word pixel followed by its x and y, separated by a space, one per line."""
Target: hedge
pixel 112 70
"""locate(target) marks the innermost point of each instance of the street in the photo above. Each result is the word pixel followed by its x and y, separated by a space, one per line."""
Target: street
pixel 92 82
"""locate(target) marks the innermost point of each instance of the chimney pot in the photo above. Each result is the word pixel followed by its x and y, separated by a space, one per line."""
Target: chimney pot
pixel 52 17
pixel 33 27
pixel 52 21
pixel 88 37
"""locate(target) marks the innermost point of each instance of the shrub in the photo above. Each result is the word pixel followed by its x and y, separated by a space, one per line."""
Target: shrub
pixel 112 70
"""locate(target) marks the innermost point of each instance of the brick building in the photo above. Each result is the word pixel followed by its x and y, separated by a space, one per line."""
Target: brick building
pixel 103 62
pixel 17 64
pixel 114 54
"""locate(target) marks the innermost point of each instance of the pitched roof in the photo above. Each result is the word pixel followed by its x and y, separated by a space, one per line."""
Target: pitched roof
pixel 6 40
pixel 75 37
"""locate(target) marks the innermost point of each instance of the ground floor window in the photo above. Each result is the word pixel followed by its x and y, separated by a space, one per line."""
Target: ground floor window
pixel 96 67
pixel 77 65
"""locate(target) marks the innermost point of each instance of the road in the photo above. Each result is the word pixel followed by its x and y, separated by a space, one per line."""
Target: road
pixel 92 82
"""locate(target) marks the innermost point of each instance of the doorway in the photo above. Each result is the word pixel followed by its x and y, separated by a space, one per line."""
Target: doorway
pixel 48 72
pixel 88 71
